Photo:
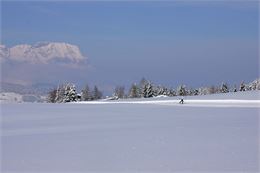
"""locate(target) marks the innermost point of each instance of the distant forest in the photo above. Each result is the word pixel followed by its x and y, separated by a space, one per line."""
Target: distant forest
pixel 144 89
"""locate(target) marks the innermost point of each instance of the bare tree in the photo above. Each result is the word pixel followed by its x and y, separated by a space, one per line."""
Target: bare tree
pixel 119 92
pixel 134 91
pixel 51 96
pixel 86 94
pixel 60 94
pixel 212 90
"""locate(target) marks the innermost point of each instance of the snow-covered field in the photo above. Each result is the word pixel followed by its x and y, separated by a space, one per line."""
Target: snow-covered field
pixel 217 133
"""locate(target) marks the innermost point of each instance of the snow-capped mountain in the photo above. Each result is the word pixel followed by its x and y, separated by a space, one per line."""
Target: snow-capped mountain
pixel 42 52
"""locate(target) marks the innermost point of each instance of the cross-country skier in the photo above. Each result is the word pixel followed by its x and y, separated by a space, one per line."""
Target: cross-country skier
pixel 181 101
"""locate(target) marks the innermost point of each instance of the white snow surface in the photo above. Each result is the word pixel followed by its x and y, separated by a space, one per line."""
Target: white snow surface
pixel 238 99
pixel 42 52
pixel 10 97
pixel 128 137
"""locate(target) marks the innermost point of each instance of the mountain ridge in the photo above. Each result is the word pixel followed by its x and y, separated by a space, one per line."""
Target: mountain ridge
pixel 42 52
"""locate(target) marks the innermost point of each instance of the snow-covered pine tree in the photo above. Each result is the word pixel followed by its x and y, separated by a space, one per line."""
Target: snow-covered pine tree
pixel 148 90
pixel 257 81
pixel 188 92
pixel 168 92
pixel 235 89
pixel 202 91
pixel 157 90
pixel 161 90
pixel 258 84
pixel 224 88
pixel 242 87
pixel 181 90
pixel 70 94
pixel 195 92
pixel 255 85
pixel 171 92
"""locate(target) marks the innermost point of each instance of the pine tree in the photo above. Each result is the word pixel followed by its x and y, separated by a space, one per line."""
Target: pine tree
pixel 242 87
pixel 156 90
pixel 195 92
pixel 171 93
pixel 235 89
pixel 96 93
pixel 160 90
pixel 189 92
pixel 70 93
pixel 181 90
pixel 255 85
pixel 224 88
pixel 148 90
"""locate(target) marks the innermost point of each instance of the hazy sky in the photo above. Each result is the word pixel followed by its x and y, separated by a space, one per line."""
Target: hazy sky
pixel 170 43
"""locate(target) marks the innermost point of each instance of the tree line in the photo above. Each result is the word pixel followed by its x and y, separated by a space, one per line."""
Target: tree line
pixel 67 93
pixel 143 89
pixel 146 89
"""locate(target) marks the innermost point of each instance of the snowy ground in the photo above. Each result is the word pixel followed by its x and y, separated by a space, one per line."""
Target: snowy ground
pixel 206 134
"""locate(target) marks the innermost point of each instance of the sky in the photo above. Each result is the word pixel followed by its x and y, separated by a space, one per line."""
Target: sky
pixel 197 43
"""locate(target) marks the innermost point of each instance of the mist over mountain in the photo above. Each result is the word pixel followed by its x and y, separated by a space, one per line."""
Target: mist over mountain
pixel 37 89
pixel 42 53
pixel 41 63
